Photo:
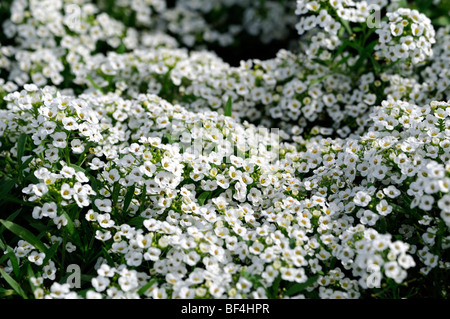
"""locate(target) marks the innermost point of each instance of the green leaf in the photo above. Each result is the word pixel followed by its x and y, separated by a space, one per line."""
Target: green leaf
pixel 228 107
pixel 107 256
pixel 14 262
pixel 128 197
pixel 6 185
pixel 50 253
pixel 318 80
pixel 121 49
pixel 254 279
pixel 31 274
pixel 75 236
pixel 95 85
pixel 25 164
pixel 203 197
pixel 347 26
pixel 14 285
pixel 296 288
pixel 12 199
pixel 145 287
pixel 136 221
pixel 30 178
pixel 292 243
pixel 376 65
pixel 6 292
pixel 11 218
pixel 342 47
pixel 24 234
pixel 169 138
pixel 115 193
pixel 272 292
pixel 21 147
pixel 442 21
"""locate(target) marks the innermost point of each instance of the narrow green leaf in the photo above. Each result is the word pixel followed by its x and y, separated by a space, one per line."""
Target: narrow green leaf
pixel 136 221
pixel 107 256
pixel 50 253
pixel 31 274
pixel 14 285
pixel 295 289
pixel 347 26
pixel 318 80
pixel 292 243
pixel 6 185
pixel 14 262
pixel 6 292
pixel 95 85
pixel 24 234
pixel 128 197
pixel 370 47
pixel 342 47
pixel 21 147
pixel 71 229
pixel 12 199
pixel 2 245
pixel 376 65
pixel 228 107
pixel 115 193
pixel 25 164
pixel 203 197
pixel 276 286
pixel 145 287
pixel 10 218
pixel 30 178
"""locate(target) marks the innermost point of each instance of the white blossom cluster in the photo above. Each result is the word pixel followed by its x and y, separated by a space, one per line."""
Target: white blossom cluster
pixel 202 222
pixel 296 92
pixel 329 179
pixel 53 34
pixel 330 14
pixel 408 35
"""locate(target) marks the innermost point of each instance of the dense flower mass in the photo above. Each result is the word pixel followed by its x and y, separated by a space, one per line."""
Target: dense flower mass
pixel 407 35
pixel 136 156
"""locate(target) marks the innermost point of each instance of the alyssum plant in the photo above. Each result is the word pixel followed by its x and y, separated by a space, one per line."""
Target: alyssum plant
pixel 161 172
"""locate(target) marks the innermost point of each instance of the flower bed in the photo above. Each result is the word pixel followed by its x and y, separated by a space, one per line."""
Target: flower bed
pixel 138 164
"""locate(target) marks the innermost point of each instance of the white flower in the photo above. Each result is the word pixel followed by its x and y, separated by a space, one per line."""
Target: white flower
pixel 362 198
pixel 49 210
pixel 36 257
pixel 105 221
pixel 59 139
pixel 383 208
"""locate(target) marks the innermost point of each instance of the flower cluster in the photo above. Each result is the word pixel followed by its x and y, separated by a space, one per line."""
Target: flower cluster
pixel 408 35
pixel 400 164
pixel 176 188
pixel 162 172
pixel 198 206
pixel 301 92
